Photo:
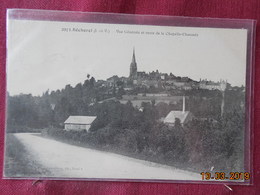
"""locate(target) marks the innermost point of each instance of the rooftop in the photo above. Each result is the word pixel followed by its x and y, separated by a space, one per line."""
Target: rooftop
pixel 83 120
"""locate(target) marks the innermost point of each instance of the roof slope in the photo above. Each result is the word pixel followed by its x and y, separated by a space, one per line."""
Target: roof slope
pixel 170 118
pixel 84 120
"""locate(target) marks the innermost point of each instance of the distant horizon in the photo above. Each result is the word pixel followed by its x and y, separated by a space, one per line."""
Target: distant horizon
pixel 104 79
pixel 42 57
pixel 82 82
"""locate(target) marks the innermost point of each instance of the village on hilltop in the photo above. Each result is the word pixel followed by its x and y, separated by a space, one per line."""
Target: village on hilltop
pixel 145 81
pixel 161 80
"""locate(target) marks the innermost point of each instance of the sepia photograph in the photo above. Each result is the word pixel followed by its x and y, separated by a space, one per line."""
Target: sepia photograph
pixel 125 101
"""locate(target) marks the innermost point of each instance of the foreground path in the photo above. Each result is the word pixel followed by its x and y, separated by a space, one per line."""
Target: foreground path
pixel 64 160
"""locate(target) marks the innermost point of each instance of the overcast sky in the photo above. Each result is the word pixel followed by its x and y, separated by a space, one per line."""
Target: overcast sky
pixel 41 56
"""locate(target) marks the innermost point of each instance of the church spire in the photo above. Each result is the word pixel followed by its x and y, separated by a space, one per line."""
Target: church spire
pixel 133 66
pixel 133 58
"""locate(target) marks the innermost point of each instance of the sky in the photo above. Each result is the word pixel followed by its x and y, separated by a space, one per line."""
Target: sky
pixel 46 55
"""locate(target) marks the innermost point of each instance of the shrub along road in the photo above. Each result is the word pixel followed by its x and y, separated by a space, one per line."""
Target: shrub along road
pixel 65 160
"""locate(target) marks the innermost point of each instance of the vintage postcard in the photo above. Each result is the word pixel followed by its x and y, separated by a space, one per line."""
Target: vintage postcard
pixel 95 100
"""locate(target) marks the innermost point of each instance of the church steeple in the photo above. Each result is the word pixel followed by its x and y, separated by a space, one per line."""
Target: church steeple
pixel 133 58
pixel 133 66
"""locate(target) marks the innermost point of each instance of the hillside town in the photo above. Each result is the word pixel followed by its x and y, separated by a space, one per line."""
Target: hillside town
pixel 155 87
pixel 156 79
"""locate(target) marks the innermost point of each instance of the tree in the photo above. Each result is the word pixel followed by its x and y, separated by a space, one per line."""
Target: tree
pixel 62 110
pixel 23 112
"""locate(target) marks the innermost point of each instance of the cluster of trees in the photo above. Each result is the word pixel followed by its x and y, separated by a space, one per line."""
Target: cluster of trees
pixel 26 113
pixel 122 128
pixel 51 109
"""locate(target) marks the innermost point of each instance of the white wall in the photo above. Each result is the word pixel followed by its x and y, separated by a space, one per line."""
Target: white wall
pixel 76 127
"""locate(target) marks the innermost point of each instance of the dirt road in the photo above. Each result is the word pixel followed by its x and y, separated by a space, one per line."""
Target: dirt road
pixel 65 160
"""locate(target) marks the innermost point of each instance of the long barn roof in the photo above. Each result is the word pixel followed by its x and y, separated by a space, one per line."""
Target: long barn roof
pixel 84 120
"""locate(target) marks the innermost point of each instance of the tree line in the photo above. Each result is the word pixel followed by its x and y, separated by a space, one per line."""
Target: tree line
pixel 51 109
pixel 216 141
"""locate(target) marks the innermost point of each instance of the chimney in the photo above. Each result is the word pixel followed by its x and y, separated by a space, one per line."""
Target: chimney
pixel 222 103
pixel 183 104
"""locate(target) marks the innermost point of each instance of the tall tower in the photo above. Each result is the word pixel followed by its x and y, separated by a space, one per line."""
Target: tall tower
pixel 183 104
pixel 223 86
pixel 133 66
